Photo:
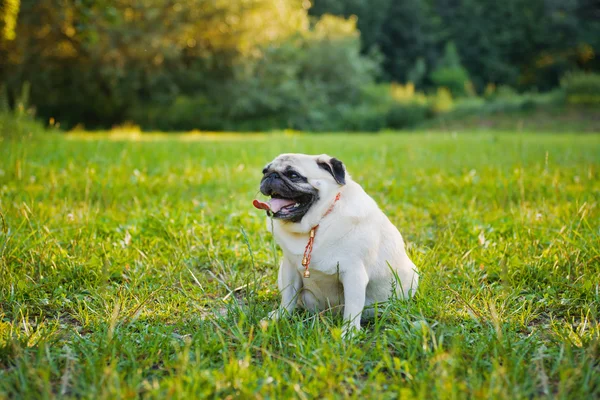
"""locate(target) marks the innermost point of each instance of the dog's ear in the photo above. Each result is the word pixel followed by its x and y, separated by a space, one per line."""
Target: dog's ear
pixel 336 168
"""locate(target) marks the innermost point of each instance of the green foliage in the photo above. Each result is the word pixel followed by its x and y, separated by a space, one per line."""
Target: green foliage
pixel 503 92
pixel 449 72
pixel 301 83
pixel 304 88
pixel 417 73
pixel 442 101
pixel 14 126
pixel 542 112
pixel 521 43
pixel 370 114
pixel 410 31
pixel 9 11
pixel 22 103
pixel 137 268
pixel 185 113
pixel 366 117
pixel 508 100
pixel 406 115
pixel 18 124
pixel 264 64
pixel 257 63
pixel 4 106
pixel 455 79
pixel 372 15
pixel 385 106
pixel 582 88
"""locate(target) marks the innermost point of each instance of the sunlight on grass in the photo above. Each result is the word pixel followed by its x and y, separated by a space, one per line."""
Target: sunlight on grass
pixel 134 264
pixel 136 135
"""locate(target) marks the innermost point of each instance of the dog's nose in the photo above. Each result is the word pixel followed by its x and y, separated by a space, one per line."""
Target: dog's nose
pixel 267 177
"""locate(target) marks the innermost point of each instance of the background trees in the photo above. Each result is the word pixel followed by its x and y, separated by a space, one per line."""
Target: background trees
pixel 259 64
pixel 523 43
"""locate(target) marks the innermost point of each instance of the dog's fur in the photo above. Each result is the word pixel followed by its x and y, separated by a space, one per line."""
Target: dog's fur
pixel 358 256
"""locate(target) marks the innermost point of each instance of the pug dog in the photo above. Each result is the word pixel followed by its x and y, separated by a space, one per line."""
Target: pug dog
pixel 340 251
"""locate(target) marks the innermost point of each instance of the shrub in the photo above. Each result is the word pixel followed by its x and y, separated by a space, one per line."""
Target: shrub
pixel 18 123
pixel 185 113
pixel 469 106
pixel 13 126
pixel 305 82
pixel 417 73
pixel 450 73
pixel 554 98
pixel 365 118
pixel 406 93
pixel 506 100
pixel 581 88
pixel 453 78
pixel 470 90
pixel 442 101
pixel 4 107
pixel 489 91
pixel 406 115
pixel 383 106
pixel 505 92
pixel 369 115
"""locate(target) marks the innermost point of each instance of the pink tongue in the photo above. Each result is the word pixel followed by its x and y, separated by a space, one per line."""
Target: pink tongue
pixel 278 204
pixel 261 205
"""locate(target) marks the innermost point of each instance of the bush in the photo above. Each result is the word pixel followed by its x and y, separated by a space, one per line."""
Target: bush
pixel 489 91
pixel 383 106
pixel 454 79
pixel 505 100
pixel 505 92
pixel 369 114
pixel 469 106
pixel 185 113
pixel 450 73
pixel 581 88
pixel 364 118
pixel 417 73
pixel 406 115
pixel 309 81
pixel 442 101
pixel 13 126
pixel 20 122
pixel 406 93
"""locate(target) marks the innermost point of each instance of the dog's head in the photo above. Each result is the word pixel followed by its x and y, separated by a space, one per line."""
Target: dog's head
pixel 298 182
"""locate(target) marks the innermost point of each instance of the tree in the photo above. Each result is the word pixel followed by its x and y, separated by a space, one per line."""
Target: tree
pixel 103 62
pixel 522 43
pixel 450 73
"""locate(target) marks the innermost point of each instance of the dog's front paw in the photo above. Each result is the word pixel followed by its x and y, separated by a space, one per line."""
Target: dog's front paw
pixel 276 314
pixel 349 331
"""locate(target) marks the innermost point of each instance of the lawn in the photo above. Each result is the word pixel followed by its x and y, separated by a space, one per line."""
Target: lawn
pixel 136 266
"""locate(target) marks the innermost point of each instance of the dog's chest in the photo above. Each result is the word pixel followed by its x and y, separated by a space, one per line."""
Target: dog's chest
pixel 322 291
pixel 326 255
pixel 326 263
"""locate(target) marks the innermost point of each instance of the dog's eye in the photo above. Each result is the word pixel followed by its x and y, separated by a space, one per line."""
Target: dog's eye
pixel 293 175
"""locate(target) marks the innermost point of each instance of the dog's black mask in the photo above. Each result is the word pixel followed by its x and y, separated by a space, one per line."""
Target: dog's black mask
pixel 291 195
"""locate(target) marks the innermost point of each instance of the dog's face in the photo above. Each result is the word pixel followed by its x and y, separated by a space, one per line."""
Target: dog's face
pixel 298 182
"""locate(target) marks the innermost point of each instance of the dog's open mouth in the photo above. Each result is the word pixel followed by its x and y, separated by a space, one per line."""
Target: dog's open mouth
pixel 286 208
pixel 279 203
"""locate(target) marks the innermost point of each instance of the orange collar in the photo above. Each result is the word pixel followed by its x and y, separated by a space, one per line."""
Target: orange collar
pixel 311 239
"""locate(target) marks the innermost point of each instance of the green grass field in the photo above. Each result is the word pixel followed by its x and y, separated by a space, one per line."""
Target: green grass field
pixel 137 267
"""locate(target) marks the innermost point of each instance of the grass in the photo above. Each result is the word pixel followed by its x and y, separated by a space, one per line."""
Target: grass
pixel 136 267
